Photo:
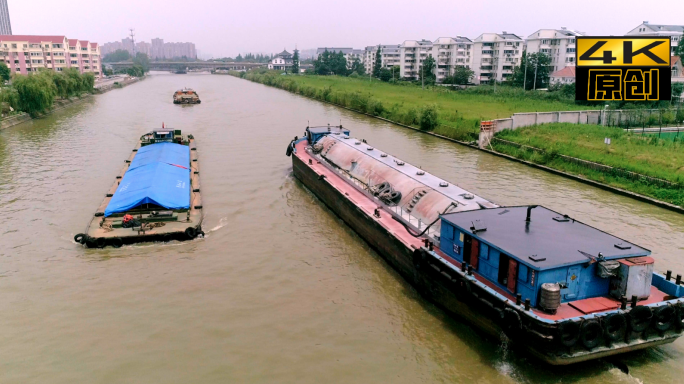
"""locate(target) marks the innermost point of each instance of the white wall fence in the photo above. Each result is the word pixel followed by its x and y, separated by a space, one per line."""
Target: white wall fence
pixel 617 117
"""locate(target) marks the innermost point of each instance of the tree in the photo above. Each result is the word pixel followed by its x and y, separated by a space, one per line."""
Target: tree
pixel 238 58
pixel 295 62
pixel 117 56
pixel 462 75
pixel 677 90
pixel 378 63
pixel 679 51
pixel 322 63
pixel 357 67
pixel 143 61
pixel 4 72
pixel 36 92
pixel 427 70
pixel 385 74
pixel 536 63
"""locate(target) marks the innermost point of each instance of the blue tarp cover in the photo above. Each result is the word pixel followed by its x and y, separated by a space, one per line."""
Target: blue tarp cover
pixel 157 178
pixel 169 153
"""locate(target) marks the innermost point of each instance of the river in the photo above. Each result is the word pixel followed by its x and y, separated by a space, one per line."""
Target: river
pixel 280 290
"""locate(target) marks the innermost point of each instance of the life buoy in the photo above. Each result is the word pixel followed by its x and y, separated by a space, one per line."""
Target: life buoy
pixel 190 232
pixel 590 334
pixel 569 333
pixel 100 242
pixel 640 318
pixel 80 238
pixel 512 324
pixel 117 242
pixel 615 326
pixel 664 318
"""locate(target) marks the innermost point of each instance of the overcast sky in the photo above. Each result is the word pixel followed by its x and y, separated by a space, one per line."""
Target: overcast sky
pixel 226 28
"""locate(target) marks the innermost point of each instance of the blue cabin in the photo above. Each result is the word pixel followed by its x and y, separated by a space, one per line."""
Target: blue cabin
pixel 313 134
pixel 520 248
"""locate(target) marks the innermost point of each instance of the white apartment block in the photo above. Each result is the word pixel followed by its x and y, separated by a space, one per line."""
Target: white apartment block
pixel 674 32
pixel 412 53
pixel 25 54
pixel 389 55
pixel 495 55
pixel 559 44
pixel 450 52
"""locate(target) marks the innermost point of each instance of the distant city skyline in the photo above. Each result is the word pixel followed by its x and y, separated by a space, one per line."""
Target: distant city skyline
pixel 156 49
pixel 231 29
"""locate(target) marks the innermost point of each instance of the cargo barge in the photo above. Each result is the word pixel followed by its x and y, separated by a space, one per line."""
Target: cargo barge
pixel 186 96
pixel 559 289
pixel 155 197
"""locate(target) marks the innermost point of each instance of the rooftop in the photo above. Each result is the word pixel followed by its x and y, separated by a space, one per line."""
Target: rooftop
pixel 549 240
pixel 565 72
pixel 34 38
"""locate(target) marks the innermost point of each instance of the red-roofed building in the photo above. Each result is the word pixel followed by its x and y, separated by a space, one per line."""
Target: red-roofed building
pixel 677 69
pixel 563 76
pixel 29 53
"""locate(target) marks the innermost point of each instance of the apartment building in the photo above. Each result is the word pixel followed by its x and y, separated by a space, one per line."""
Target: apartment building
pixel 559 44
pixel 412 53
pixel 25 54
pixel 389 55
pixel 495 55
pixel 674 32
pixel 450 52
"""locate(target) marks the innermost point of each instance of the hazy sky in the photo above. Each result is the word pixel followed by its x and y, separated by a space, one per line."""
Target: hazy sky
pixel 226 28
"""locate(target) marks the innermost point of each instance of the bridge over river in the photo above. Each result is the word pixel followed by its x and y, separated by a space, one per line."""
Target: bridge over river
pixel 189 65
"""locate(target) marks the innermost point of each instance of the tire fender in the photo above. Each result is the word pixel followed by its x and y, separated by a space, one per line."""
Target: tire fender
pixel 664 318
pixel 568 333
pixel 639 318
pixel 615 326
pixel 590 333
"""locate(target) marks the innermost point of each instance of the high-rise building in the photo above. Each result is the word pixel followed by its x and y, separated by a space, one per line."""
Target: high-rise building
pixel 5 25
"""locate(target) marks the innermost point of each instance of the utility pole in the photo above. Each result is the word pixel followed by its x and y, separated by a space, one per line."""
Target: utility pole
pixel 525 75
pixel 133 40
pixel 422 75
pixel 536 65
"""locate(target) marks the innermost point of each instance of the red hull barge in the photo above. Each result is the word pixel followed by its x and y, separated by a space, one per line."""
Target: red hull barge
pixel 414 219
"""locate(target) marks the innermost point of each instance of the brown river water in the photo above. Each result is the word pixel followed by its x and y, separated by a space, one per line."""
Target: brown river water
pixel 280 290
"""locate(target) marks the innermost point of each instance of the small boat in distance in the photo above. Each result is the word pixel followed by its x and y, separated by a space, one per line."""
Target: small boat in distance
pixel 186 96
pixel 155 197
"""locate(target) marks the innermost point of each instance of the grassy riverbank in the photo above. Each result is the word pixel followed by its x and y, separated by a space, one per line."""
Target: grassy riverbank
pixel 455 114
pixel 650 156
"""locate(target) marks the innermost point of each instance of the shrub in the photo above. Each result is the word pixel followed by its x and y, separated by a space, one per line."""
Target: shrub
pixel 428 117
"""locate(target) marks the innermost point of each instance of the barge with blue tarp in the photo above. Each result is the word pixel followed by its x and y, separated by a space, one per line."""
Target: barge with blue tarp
pixel 551 285
pixel 156 196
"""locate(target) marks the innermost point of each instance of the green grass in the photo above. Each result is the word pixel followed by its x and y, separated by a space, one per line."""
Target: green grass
pixel 458 112
pixel 661 158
